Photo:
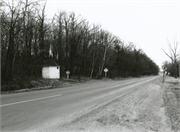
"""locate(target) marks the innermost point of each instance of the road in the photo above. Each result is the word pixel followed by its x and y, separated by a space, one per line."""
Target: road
pixel 42 110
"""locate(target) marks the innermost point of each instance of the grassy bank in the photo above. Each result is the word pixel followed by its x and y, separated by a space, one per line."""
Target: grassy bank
pixel 20 85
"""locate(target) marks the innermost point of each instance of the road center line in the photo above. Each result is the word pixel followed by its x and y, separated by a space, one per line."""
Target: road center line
pixel 30 100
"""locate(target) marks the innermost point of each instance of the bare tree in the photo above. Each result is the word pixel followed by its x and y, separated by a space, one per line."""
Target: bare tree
pixel 107 41
pixel 173 54
pixel 66 27
pixel 93 47
pixel 42 29
pixel 79 47
pixel 13 26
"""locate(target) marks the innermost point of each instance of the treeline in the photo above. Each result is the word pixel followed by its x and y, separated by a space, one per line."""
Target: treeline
pixel 172 69
pixel 84 49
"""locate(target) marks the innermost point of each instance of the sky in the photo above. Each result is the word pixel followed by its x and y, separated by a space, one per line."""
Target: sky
pixel 149 24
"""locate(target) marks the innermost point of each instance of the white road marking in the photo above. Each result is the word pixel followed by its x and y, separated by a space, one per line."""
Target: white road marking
pixel 30 100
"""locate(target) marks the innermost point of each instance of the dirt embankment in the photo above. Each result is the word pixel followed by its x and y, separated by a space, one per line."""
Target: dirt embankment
pixel 153 107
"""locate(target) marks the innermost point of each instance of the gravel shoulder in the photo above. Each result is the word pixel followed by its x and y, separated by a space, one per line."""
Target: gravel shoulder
pixel 153 107
pixel 172 102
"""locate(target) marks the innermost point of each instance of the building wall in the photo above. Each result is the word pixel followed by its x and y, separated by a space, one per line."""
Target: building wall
pixel 51 72
pixel 45 72
pixel 54 72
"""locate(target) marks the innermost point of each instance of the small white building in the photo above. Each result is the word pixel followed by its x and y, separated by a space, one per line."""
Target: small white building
pixel 50 69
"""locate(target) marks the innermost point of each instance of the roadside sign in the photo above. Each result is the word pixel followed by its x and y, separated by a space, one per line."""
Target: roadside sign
pixel 67 72
pixel 164 70
pixel 105 70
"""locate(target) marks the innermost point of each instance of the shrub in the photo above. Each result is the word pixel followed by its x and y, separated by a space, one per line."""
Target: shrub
pixel 35 83
pixel 10 87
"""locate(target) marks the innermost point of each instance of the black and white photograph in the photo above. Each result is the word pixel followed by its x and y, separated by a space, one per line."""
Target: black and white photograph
pixel 90 65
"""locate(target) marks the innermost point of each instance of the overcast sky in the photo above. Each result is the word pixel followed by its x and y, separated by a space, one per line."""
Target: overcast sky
pixel 146 23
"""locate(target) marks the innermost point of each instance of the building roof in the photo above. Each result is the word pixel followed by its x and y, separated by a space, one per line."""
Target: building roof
pixel 49 62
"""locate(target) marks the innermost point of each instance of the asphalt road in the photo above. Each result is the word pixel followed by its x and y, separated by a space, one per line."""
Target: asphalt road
pixel 45 109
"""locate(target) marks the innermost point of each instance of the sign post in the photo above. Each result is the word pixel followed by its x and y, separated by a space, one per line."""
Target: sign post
pixel 67 72
pixel 105 70
pixel 164 69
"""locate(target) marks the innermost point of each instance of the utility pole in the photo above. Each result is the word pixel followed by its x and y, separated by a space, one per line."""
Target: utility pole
pixel 164 69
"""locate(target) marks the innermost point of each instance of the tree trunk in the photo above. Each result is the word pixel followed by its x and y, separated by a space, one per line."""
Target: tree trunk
pixel 93 64
pixel 66 65
pixel 10 57
pixel 9 65
pixel 104 58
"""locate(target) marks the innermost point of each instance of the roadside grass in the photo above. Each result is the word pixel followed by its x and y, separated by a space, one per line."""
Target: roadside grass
pixel 29 84
pixel 24 85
